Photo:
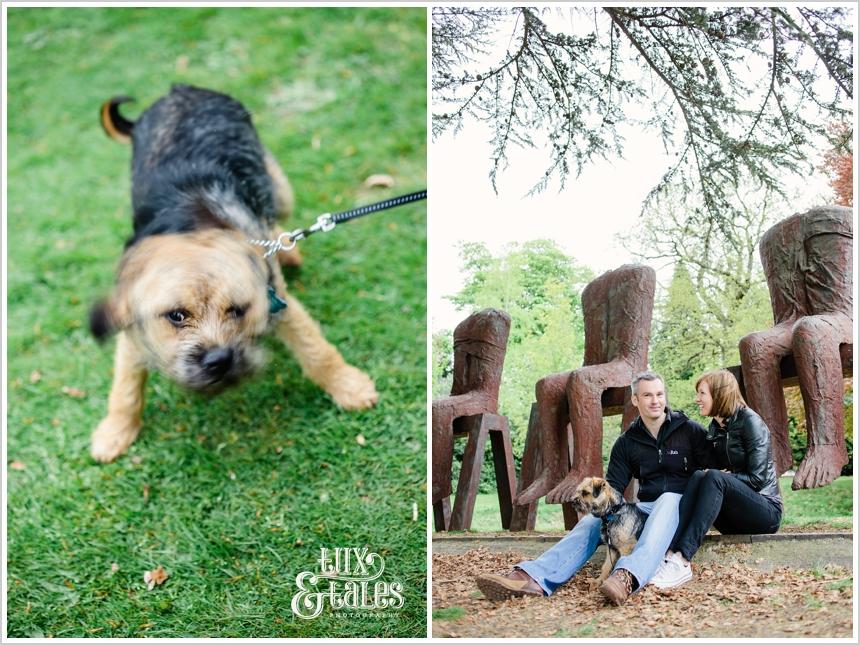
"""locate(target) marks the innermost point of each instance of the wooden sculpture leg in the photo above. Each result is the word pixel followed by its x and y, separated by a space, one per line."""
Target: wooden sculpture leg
pixel 551 425
pixel 761 353
pixel 443 450
pixel 525 515
pixel 815 344
pixel 584 389
pixel 504 468
pixel 445 411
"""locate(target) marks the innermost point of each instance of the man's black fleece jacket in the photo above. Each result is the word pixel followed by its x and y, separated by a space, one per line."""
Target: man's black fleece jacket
pixel 662 465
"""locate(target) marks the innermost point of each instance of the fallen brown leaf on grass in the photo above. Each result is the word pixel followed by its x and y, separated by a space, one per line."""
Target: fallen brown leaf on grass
pixel 35 376
pixel 74 392
pixel 379 181
pixel 17 465
pixel 155 577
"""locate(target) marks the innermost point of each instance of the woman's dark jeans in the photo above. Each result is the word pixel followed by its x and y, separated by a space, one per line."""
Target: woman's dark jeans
pixel 721 499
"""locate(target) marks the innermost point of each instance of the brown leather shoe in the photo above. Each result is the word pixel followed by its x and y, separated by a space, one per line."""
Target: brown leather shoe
pixel 618 586
pixel 515 584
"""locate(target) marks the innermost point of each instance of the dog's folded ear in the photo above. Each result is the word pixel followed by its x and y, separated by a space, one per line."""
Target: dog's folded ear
pixel 103 320
pixel 597 488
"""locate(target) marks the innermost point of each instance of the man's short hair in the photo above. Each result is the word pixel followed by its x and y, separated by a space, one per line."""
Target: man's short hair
pixel 645 376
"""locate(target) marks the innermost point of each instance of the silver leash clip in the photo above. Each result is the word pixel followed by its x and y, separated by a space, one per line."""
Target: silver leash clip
pixel 293 238
pixel 273 246
pixel 324 223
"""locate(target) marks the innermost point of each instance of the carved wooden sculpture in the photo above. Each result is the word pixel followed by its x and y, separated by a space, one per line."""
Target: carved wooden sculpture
pixel 808 265
pixel 617 308
pixel 480 342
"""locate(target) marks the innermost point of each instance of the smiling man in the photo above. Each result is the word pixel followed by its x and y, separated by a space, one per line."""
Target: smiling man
pixel 661 448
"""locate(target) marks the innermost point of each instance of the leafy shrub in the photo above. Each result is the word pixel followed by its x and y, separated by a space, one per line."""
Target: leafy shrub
pixel 797 426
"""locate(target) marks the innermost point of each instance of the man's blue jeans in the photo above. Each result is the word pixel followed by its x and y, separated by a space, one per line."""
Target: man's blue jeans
pixel 558 565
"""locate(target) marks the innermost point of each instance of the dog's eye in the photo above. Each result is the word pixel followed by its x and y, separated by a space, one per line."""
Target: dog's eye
pixel 177 317
pixel 236 312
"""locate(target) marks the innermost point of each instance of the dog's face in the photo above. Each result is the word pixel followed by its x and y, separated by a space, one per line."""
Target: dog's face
pixel 593 495
pixel 194 304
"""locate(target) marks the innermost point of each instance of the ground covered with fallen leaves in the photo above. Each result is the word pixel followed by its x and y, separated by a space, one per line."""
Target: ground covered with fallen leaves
pixel 723 600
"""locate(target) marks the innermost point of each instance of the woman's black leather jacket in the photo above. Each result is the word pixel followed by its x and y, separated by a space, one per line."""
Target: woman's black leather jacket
pixel 742 446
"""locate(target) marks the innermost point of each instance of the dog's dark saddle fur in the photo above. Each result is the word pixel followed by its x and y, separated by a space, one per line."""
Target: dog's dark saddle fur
pixel 198 163
pixel 621 514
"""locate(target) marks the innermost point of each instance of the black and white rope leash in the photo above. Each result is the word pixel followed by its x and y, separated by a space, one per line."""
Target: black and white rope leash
pixel 328 221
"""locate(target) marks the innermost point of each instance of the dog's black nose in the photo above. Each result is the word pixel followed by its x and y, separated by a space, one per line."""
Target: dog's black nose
pixel 217 361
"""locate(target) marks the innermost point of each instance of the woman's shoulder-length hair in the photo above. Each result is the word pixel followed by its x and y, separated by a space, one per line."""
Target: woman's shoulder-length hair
pixel 725 392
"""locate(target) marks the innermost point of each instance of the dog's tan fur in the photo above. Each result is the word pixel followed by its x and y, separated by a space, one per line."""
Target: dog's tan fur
pixel 206 272
pixel 118 430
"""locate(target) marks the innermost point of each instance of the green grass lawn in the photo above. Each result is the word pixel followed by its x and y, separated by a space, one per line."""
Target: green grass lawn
pixel 828 506
pixel 234 496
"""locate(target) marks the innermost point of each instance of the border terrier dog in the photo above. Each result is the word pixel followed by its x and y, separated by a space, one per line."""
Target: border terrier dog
pixel 192 296
pixel 621 521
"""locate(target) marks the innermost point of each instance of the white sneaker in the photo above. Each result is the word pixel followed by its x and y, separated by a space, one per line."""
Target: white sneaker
pixel 673 572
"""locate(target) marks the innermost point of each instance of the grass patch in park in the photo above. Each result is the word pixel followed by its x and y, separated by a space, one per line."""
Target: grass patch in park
pixel 449 613
pixel 831 505
pixel 841 584
pixel 234 496
pixel 585 630
pixel 828 506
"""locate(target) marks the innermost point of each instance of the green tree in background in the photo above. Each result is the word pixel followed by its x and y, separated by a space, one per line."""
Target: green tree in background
pixel 443 363
pixel 677 351
pixel 718 293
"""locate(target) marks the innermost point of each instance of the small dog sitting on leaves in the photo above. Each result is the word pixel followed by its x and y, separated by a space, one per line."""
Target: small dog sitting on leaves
pixel 192 297
pixel 621 521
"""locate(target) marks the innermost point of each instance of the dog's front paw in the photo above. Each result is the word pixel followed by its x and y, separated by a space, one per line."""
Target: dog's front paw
pixel 112 437
pixel 352 389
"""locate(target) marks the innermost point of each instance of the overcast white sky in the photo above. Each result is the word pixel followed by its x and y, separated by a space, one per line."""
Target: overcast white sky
pixel 583 219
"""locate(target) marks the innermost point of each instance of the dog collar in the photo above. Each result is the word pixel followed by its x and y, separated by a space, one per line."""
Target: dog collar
pixel 612 514
pixel 276 303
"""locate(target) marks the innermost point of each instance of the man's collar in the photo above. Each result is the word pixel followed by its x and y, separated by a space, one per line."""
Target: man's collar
pixel 667 419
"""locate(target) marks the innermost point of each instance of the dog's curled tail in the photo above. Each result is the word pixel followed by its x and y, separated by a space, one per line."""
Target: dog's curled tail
pixel 115 124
